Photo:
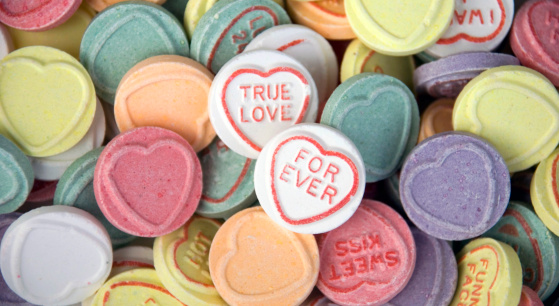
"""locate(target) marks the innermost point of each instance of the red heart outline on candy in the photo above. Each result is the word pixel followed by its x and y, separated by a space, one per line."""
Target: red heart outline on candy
pixel 465 36
pixel 324 152
pixel 261 74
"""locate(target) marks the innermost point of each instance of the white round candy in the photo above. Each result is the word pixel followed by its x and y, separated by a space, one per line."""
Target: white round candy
pixel 310 178
pixel 51 168
pixel 257 95
pixel 477 25
pixel 55 255
pixel 309 48
pixel 6 44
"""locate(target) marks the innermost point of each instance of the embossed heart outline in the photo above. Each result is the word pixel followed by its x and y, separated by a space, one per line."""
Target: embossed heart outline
pixel 12 193
pixel 123 207
pixel 481 248
pixel 466 36
pixel 324 152
pixel 261 74
pixel 80 111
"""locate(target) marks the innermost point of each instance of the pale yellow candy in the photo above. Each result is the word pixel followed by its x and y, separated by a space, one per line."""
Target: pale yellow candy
pixel 544 192
pixel 358 58
pixel 66 37
pixel 47 100
pixel 181 262
pixel 516 109
pixel 135 287
pixel 489 273
pixel 402 27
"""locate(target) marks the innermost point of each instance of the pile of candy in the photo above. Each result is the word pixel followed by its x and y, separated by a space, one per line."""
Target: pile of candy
pixel 204 152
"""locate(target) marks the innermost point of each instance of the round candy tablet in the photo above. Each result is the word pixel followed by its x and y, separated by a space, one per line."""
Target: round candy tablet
pixel 6 43
pixel 254 261
pixel 531 119
pixel 36 15
pixel 437 118
pixel 257 95
pixel 75 188
pixel 16 176
pixel 448 76
pixel 477 25
pixel 55 255
pixel 544 192
pixel 358 58
pixel 195 9
pixel 148 181
pixel 167 91
pixel 42 191
pixel 181 262
pixel 310 178
pixel 489 273
pixel 51 168
pixel 399 28
pixel 529 297
pixel 227 27
pixel 454 186
pixel 135 287
pixel 367 260
pixel 534 37
pixel 100 5
pixel 130 258
pixel 535 245
pixel 47 100
pixel 66 37
pixel 122 36
pixel 327 17
pixel 7 296
pixel 309 48
pixel 435 274
pixel 380 115
pixel 228 181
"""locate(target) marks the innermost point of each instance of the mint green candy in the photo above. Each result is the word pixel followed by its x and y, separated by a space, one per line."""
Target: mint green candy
pixel 16 176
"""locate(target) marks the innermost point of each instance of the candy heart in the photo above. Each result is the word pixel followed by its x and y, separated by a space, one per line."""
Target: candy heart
pixel 9 178
pixel 331 163
pixel 268 115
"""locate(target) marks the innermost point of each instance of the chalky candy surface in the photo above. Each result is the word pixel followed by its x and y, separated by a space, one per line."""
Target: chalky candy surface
pixel 454 186
pixel 75 188
pixel 6 43
pixel 380 115
pixel 399 28
pixel 130 258
pixel 531 119
pixel 55 255
pixel 248 266
pixel 156 200
pixel 257 95
pixel 437 118
pixel 477 25
pixel 367 260
pixel 226 29
pixel 181 262
pixel 228 181
pixel 328 18
pixel 310 178
pixel 435 274
pixel 16 176
pixel 170 92
pixel 358 58
pixel 122 36
pixel 529 297
pixel 534 37
pixel 535 245
pixel 544 192
pixel 100 5
pixel 7 296
pixel 489 273
pixel 47 100
pixel 36 15
pixel 134 287
pixel 445 78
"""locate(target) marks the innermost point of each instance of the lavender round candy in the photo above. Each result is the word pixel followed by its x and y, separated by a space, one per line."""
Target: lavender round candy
pixel 454 186
pixel 7 296
pixel 446 77
pixel 435 275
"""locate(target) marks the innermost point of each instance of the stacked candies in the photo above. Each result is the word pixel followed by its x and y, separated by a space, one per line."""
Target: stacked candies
pixel 204 152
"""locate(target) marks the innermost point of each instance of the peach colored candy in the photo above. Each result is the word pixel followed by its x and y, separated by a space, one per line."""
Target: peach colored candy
pixel 327 17
pixel 167 91
pixel 254 261
pixel 437 118
pixel 100 5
